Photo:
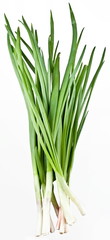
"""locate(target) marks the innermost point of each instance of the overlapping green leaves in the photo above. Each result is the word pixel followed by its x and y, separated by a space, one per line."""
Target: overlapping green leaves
pixel 57 109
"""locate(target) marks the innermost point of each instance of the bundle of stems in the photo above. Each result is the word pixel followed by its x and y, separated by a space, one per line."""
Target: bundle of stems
pixel 57 111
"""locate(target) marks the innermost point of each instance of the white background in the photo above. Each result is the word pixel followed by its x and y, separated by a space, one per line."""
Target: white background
pixel 91 172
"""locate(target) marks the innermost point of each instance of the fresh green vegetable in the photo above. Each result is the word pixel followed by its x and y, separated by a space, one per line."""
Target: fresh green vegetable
pixel 57 109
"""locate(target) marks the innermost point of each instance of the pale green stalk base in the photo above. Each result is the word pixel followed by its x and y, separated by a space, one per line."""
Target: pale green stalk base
pixel 66 189
pixel 65 207
pixel 46 204
pixel 39 205
pixel 52 228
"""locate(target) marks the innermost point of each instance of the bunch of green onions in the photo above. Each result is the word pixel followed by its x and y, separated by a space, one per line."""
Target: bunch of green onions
pixel 56 111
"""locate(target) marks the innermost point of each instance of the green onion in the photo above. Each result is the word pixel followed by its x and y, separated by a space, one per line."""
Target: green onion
pixel 57 109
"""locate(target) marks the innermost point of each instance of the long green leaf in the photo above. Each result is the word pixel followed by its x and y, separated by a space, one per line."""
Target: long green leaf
pixel 55 92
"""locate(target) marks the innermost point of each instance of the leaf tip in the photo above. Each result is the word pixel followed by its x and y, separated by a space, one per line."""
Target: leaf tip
pixel 82 30
pixel 50 12
pixel 94 48
pixel 5 16
pixel 6 19
pixel 105 50
pixel 103 55
pixel 85 46
pixel 23 19
pixel 70 8
pixel 51 15
pixel 73 20
pixel 69 5
pixel 18 31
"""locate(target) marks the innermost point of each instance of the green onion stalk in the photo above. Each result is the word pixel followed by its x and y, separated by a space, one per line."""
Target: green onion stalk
pixel 57 109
